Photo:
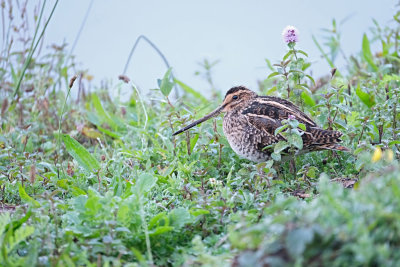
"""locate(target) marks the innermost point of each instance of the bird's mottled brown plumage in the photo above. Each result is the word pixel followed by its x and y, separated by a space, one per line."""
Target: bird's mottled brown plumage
pixel 250 122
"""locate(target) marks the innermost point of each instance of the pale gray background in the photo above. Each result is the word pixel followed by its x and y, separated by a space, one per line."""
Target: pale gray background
pixel 241 34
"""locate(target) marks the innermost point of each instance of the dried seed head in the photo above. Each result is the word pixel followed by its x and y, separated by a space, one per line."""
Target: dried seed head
pixel 124 78
pixel 32 174
pixel 71 82
pixel 333 71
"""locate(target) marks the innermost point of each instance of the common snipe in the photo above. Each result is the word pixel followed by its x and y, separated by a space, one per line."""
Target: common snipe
pixel 250 121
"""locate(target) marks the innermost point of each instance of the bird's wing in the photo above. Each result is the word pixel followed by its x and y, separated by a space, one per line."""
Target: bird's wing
pixel 267 128
pixel 278 109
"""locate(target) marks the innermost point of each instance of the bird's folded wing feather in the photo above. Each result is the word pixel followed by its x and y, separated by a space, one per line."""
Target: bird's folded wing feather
pixel 278 109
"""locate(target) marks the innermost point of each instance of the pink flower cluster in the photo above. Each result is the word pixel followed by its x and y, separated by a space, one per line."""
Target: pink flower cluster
pixel 290 34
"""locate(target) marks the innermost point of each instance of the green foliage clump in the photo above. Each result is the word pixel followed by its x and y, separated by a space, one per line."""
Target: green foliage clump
pixel 340 227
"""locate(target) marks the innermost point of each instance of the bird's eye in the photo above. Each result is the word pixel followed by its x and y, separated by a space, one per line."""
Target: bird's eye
pixel 235 97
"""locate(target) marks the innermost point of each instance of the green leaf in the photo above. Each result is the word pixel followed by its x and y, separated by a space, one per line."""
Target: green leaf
pixel 394 142
pixel 160 230
pixel 287 55
pixel 295 140
pixel 307 99
pixel 302 126
pixel 179 217
pixel 311 78
pixel 26 198
pixel 367 99
pixel 281 145
pixel 198 212
pixel 162 216
pixel 276 156
pixel 80 154
pixel 145 182
pixel 166 84
pixel 273 74
pixel 191 91
pixel 280 129
pixel 193 141
pixel 102 114
pixel 366 49
pixel 302 52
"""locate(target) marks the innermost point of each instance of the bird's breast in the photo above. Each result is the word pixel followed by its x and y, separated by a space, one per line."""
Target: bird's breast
pixel 243 137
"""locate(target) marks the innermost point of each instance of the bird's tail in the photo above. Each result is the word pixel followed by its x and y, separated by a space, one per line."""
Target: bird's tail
pixel 319 139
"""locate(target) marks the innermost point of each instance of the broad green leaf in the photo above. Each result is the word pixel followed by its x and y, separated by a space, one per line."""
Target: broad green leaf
pixel 80 154
pixel 295 140
pixel 281 145
pixel 102 114
pixel 145 182
pixel 26 198
pixel 307 99
pixel 367 99
pixel 166 84
pixel 276 156
pixel 302 126
pixel 191 91
pixel 366 49
pixel 179 217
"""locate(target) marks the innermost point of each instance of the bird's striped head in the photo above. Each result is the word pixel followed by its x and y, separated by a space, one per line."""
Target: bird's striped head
pixel 236 97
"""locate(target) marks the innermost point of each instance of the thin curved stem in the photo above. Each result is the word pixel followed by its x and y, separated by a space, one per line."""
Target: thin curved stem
pixel 158 52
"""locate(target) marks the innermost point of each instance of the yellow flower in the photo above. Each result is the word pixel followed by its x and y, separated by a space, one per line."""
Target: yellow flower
pixel 389 155
pixel 377 154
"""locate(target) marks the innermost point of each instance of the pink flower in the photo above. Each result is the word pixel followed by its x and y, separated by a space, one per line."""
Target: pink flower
pixel 290 34
pixel 291 117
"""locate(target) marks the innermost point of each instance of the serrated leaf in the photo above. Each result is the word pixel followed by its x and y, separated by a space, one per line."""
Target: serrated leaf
pixel 80 154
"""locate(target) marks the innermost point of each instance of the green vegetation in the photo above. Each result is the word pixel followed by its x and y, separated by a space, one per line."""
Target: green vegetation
pixel 90 180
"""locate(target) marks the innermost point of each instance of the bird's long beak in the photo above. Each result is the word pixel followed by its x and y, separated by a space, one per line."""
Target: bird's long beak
pixel 216 112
